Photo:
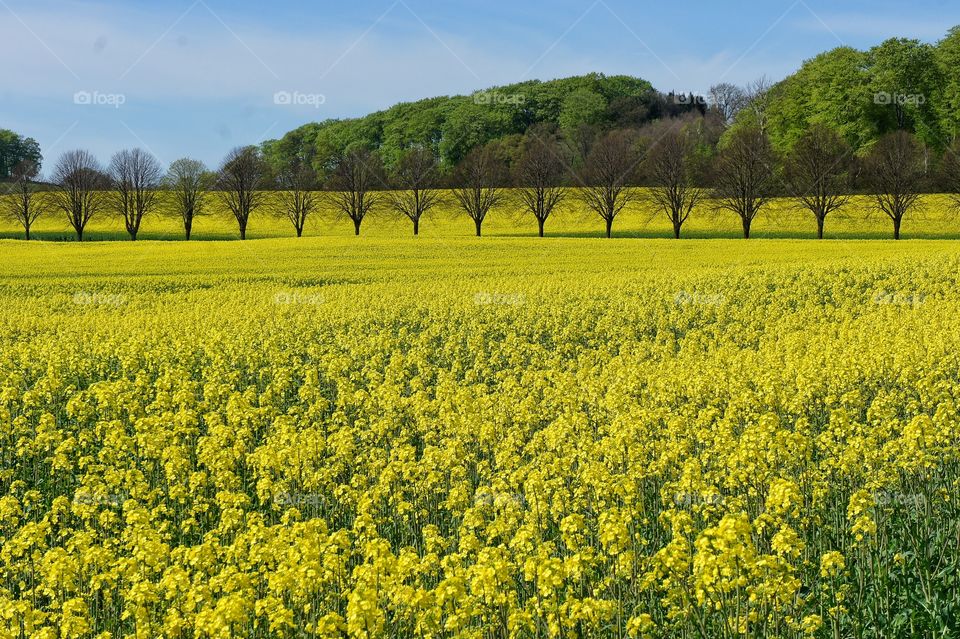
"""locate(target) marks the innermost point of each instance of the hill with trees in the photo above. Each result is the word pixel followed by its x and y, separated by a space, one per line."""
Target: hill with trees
pixel 900 84
pixel 452 126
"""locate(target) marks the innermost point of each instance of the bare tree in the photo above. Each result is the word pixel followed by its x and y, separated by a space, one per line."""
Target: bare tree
pixel 818 173
pixel 135 176
pixel 758 101
pixel 895 173
pixel 607 176
pixel 727 100
pixel 415 181
pixel 189 181
pixel 240 183
pixel 744 175
pixel 355 183
pixel 675 174
pixel 480 179
pixel 298 196
pixel 21 204
pixel 540 174
pixel 81 186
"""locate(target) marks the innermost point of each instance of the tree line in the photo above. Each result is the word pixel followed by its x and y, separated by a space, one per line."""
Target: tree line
pixel 900 84
pixel 882 122
pixel 672 167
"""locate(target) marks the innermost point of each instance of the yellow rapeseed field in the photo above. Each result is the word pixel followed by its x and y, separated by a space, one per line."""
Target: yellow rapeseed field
pixel 479 438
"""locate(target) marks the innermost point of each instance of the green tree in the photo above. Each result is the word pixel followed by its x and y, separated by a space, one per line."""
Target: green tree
pixel 832 89
pixel 948 61
pixel 582 107
pixel 14 149
pixel 468 126
pixel 906 85
pixel 417 125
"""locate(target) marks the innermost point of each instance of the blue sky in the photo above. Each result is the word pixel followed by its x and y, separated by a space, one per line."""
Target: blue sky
pixel 197 77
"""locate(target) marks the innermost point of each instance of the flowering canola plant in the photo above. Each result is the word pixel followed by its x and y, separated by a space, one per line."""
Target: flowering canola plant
pixel 480 439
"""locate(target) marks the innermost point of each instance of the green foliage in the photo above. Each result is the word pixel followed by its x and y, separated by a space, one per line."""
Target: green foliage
pixel 831 89
pixel 905 85
pixel 948 62
pixel 900 84
pixel 15 148
pixel 451 126
pixel 582 107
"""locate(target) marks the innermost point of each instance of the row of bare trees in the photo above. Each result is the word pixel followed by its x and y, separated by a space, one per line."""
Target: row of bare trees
pixel 819 175
pixel 821 172
pixel 129 187
pixel 679 164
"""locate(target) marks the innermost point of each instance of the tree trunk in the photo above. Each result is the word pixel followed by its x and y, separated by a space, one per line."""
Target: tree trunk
pixel 479 224
pixel 676 229
pixel 133 236
pixel 356 227
pixel 243 232
pixel 609 227
pixel 299 231
pixel 27 231
pixel 820 221
pixel 746 228
pixel 79 234
pixel 540 224
pixel 896 227
pixel 187 227
pixel 416 227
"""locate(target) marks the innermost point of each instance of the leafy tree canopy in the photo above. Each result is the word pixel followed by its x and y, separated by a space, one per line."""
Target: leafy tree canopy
pixel 899 85
pixel 15 148
pixel 452 126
